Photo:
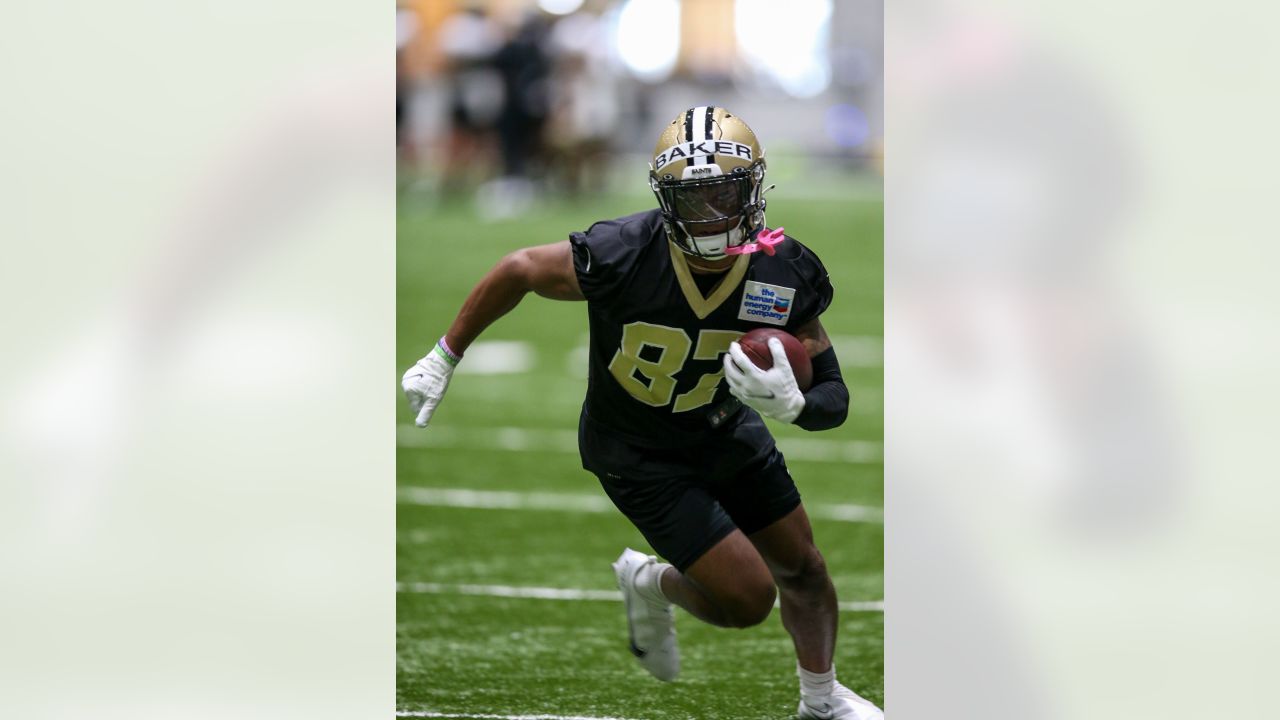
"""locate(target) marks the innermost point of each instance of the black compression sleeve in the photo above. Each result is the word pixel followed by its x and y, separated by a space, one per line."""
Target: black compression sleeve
pixel 826 405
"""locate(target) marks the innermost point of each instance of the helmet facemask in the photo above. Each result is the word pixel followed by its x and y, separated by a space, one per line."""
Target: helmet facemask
pixel 706 215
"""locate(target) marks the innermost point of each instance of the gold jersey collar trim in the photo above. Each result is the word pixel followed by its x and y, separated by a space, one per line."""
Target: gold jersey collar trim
pixel 703 306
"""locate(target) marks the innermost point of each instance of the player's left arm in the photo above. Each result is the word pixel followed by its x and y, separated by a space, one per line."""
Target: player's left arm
pixel 826 403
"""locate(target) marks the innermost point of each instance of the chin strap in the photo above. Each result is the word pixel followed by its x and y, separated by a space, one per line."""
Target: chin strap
pixel 765 240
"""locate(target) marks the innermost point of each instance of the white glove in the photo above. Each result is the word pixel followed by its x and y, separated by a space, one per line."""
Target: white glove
pixel 771 392
pixel 424 384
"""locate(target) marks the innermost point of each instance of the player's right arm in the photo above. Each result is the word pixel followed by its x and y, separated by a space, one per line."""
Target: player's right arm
pixel 546 270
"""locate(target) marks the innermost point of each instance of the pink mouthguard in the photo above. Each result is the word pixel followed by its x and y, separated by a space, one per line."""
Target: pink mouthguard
pixel 765 240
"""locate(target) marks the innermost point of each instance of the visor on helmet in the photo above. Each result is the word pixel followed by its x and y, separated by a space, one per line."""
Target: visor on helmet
pixel 714 200
pixel 713 205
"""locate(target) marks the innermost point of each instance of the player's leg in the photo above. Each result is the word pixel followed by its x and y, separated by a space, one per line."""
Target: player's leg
pixel 715 572
pixel 763 502
pixel 808 599
pixel 810 613
pixel 728 586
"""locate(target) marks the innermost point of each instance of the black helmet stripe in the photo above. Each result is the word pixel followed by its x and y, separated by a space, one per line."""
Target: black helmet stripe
pixel 708 116
pixel 688 131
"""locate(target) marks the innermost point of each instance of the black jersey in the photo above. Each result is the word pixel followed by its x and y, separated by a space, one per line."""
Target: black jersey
pixel 656 372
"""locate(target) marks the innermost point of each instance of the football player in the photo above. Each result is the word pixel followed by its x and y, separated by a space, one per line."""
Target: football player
pixel 671 424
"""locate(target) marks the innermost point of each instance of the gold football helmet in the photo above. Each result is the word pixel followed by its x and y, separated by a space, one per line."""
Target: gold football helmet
pixel 708 174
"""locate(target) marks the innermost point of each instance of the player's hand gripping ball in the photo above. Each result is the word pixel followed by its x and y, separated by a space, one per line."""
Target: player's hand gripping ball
pixel 756 346
pixel 765 380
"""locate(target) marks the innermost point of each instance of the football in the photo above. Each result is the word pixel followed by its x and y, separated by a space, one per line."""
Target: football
pixel 756 345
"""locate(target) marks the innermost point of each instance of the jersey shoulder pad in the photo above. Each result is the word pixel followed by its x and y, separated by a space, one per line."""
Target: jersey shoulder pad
pixel 811 278
pixel 606 256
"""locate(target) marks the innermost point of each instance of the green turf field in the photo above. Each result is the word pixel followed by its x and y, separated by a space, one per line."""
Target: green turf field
pixel 493 500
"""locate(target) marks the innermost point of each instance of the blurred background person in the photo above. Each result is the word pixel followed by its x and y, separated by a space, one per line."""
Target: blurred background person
pixel 469 42
pixel 586 104
pixel 524 64
pixel 407 27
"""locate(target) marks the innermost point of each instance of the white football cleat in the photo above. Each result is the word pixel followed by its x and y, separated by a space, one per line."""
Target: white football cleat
pixel 651 623
pixel 843 704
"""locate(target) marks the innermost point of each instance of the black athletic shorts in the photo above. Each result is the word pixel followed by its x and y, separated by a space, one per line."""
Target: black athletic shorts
pixel 685 500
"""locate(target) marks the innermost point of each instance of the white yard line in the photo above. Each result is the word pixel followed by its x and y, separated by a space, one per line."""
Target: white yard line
pixel 521 439
pixel 846 513
pixel 510 591
pixel 488 716
pixel 487 438
pixel 503 500
pixel 865 351
pixel 546 593
pixel 582 503
pixel 498 357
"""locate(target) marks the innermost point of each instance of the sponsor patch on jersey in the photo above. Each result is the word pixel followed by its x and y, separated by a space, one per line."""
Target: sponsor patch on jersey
pixel 701 148
pixel 766 303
